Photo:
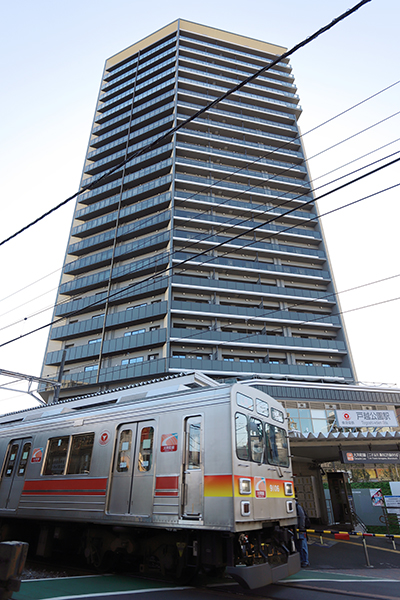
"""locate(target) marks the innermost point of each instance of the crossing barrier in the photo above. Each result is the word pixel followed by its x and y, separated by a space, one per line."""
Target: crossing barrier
pixel 345 535
pixel 359 533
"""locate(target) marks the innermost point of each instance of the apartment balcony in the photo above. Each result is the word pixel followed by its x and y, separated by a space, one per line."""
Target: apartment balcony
pixel 278 343
pixel 238 369
pixel 213 50
pixel 281 271
pixel 119 373
pixel 108 221
pixel 278 106
pixel 235 158
pixel 197 183
pixel 127 80
pixel 155 128
pixel 281 250
pixel 129 181
pixel 204 137
pixel 152 92
pixel 255 290
pixel 232 225
pixel 214 70
pixel 134 269
pixel 120 345
pixel 259 86
pixel 103 240
pixel 241 208
pixel 167 69
pixel 114 71
pixel 113 321
pixel 212 168
pixel 290 318
pixel 139 209
pixel 98 301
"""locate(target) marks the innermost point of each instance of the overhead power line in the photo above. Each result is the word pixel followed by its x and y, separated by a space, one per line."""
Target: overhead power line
pixel 173 130
pixel 211 258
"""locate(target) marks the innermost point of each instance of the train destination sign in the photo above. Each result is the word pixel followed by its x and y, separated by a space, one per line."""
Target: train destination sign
pixel 366 418
pixel 370 457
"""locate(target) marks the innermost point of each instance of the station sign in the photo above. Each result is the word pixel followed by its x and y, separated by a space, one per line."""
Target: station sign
pixel 366 418
pixel 370 457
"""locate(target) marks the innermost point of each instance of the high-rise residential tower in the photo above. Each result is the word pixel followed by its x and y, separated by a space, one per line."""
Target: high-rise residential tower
pixel 204 252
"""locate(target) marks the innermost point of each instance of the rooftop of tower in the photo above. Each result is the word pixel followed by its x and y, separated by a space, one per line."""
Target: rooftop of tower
pixel 195 28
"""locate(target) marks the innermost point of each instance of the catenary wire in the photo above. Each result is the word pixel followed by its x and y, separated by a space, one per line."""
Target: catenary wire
pixel 222 203
pixel 236 225
pixel 245 191
pixel 197 114
pixel 123 290
pixel 316 300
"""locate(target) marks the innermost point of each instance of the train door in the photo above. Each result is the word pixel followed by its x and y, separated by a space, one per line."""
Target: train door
pixel 133 470
pixel 14 473
pixel 193 469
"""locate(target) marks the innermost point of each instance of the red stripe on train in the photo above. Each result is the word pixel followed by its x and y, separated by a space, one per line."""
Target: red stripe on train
pixel 167 482
pixel 167 485
pixel 82 487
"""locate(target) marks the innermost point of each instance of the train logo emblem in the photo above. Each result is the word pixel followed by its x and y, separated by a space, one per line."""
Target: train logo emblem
pixel 169 442
pixel 260 487
pixel 104 437
pixel 37 455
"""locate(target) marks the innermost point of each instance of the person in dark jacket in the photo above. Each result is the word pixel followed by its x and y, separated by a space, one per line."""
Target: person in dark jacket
pixel 301 540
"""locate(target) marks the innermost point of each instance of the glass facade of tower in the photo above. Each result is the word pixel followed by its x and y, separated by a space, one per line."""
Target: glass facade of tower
pixel 204 252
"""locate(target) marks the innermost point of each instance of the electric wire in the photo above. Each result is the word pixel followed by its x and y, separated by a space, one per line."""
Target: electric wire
pixel 196 115
pixel 123 290
pixel 302 300
pixel 270 209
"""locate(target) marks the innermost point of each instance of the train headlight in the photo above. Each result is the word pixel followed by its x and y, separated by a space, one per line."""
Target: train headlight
pixel 245 508
pixel 289 506
pixel 244 485
pixel 288 488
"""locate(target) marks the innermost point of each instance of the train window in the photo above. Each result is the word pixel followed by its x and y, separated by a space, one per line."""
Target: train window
pixel 256 440
pixel 277 446
pixel 242 438
pixel 81 454
pixel 244 401
pixel 145 459
pixel 194 431
pixel 277 415
pixel 262 407
pixel 56 458
pixel 124 451
pixel 24 459
pixel 11 460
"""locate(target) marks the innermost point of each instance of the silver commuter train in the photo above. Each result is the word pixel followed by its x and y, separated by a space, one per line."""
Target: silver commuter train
pixel 166 476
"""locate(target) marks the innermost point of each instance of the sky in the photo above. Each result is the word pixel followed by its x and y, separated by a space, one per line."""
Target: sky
pixel 53 59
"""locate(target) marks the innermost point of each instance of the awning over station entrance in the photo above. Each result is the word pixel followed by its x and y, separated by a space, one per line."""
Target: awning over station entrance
pixel 324 447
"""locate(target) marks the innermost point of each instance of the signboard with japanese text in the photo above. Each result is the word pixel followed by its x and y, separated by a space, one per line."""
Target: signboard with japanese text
pixel 366 418
pixel 393 505
pixel 370 457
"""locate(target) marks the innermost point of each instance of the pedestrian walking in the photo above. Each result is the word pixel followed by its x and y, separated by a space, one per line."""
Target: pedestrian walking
pixel 301 538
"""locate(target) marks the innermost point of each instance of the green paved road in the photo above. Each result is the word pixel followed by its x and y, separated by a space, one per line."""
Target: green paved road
pixel 66 587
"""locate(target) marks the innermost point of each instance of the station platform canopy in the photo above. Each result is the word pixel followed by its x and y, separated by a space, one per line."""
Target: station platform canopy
pixel 325 447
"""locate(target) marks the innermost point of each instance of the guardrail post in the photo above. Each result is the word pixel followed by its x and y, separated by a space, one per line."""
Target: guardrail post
pixel 366 552
pixel 12 562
